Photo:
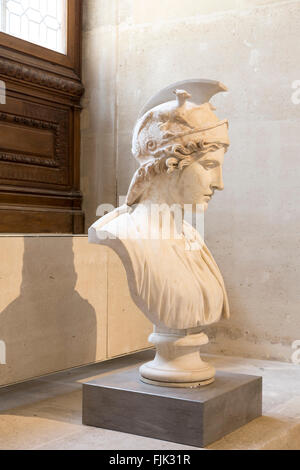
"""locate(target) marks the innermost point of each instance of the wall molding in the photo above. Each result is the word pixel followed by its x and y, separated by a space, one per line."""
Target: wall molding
pixel 41 78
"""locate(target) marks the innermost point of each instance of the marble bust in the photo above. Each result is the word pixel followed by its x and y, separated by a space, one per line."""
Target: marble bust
pixel 180 144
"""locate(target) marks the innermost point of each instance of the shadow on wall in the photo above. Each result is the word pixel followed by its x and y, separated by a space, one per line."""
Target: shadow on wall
pixel 49 327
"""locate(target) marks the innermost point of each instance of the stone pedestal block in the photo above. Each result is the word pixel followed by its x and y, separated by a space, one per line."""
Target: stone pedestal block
pixel 192 416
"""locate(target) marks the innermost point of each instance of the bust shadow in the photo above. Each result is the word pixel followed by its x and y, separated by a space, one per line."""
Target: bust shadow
pixel 49 327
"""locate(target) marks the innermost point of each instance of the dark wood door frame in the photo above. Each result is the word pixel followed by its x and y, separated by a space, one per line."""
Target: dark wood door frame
pixel 40 134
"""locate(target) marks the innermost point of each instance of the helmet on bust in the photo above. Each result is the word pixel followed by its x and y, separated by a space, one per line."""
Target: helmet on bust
pixel 170 134
pixel 179 122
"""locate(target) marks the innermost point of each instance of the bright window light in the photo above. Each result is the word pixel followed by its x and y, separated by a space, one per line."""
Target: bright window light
pixel 41 22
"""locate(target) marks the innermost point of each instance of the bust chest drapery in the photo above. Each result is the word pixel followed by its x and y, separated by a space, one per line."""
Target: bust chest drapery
pixel 173 286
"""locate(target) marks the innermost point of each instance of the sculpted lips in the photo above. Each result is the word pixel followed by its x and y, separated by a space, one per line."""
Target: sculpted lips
pixel 209 195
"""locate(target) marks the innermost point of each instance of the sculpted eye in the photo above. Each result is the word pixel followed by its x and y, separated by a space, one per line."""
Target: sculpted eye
pixel 208 164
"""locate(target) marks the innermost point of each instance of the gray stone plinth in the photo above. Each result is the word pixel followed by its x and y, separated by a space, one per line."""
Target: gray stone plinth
pixel 192 416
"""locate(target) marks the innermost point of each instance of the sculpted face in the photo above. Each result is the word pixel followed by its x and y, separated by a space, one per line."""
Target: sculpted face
pixel 199 180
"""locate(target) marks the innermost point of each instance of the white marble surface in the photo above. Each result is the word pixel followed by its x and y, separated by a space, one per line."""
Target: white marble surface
pixel 180 145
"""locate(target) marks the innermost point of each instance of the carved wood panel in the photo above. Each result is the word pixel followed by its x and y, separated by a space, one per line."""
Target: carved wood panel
pixel 34 144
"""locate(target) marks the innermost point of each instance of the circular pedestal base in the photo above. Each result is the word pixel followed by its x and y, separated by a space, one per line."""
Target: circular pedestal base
pixel 177 362
pixel 164 376
pixel 177 384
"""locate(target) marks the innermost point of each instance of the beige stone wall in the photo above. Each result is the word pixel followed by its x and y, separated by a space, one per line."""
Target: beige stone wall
pixel 132 48
pixel 58 306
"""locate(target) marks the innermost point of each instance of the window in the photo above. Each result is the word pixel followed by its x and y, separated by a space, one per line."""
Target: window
pixel 42 22
pixel 48 30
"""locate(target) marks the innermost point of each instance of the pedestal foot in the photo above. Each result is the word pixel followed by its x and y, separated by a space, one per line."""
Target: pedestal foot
pixel 177 384
pixel 177 362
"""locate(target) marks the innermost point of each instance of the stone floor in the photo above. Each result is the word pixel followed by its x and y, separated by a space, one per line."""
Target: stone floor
pixel 46 413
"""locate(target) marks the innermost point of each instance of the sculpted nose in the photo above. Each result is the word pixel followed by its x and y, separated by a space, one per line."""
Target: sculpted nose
pixel 218 179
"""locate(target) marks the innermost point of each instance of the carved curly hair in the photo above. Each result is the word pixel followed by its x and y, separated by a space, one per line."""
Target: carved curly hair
pixel 166 160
